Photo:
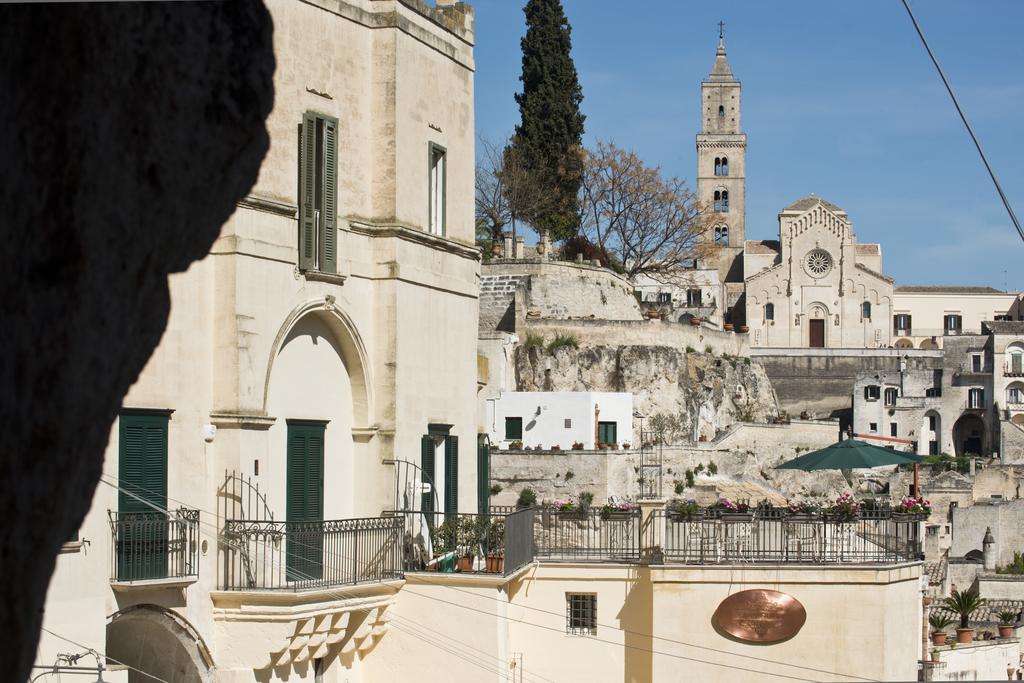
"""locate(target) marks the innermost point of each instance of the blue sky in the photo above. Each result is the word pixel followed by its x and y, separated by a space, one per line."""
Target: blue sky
pixel 839 99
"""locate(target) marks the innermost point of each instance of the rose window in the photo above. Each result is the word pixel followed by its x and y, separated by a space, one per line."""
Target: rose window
pixel 819 262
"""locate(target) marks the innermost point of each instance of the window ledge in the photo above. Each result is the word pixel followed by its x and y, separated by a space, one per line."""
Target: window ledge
pixel 71 547
pixel 171 582
pixel 330 278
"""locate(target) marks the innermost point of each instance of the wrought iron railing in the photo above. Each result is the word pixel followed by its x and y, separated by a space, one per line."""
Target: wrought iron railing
pixel 882 538
pixel 154 545
pixel 588 535
pixel 450 542
pixel 520 549
pixel 269 555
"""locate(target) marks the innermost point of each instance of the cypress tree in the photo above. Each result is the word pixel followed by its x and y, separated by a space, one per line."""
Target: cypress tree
pixel 550 134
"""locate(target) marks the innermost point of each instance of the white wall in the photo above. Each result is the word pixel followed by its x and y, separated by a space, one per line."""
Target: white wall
pixel 547 427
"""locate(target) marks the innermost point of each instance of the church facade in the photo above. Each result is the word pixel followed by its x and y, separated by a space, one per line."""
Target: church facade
pixel 815 286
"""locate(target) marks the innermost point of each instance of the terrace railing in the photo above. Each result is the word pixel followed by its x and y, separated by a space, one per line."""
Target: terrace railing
pixel 878 537
pixel 154 545
pixel 587 535
pixel 269 555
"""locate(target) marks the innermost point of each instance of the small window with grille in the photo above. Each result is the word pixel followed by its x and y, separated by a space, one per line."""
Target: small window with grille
pixel 581 614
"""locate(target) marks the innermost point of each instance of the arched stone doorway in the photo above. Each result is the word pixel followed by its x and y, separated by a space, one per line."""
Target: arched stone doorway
pixel 928 343
pixel 904 344
pixel 969 435
pixel 159 642
pixel 817 326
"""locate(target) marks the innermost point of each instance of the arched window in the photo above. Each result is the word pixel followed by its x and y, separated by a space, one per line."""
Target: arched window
pixel 725 200
pixel 722 235
pixel 721 112
pixel 1015 360
pixel 1015 394
pixel 725 166
pixel 718 201
pixel 769 311
pixel 718 166
pixel 865 310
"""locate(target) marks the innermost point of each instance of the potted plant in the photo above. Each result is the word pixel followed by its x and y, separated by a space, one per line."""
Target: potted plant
pixel 728 327
pixel 939 621
pixel 602 446
pixel 843 510
pixel 470 535
pixel 577 446
pixel 744 329
pixel 802 510
pixel 556 447
pixel 617 510
pixel 685 511
pixel 727 510
pixel 965 603
pixel 913 509
pixel 1007 621
pixel 527 498
pixel 625 446
pixel 495 545
pixel 695 321
pixel 515 446
pixel 570 508
pixel 443 540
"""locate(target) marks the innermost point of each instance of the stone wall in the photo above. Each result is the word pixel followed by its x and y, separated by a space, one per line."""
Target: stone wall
pixel 1011 447
pixel 744 457
pixel 1005 518
pixel 644 333
pixel 821 381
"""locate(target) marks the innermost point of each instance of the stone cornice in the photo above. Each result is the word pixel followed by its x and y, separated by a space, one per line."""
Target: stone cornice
pixel 269 205
pixel 370 228
pixel 231 420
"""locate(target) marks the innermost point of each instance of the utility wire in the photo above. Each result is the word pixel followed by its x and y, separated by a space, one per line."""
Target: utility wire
pixel 963 117
pixel 339 592
pixel 104 655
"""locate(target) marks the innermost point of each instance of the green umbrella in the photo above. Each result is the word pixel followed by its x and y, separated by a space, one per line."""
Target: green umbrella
pixel 850 454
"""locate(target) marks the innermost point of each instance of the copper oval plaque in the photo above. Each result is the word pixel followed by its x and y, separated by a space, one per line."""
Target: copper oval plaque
pixel 761 616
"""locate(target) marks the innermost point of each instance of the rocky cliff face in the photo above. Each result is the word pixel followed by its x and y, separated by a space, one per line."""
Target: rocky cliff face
pixel 691 394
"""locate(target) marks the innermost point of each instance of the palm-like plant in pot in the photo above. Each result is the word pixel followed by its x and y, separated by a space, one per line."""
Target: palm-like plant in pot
pixel 939 621
pixel 1007 622
pixel 965 603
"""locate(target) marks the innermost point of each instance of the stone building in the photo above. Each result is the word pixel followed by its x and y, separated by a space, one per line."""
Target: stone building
pixel 301 360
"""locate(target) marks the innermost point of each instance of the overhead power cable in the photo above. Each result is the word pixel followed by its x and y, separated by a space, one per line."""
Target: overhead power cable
pixel 105 656
pixel 963 117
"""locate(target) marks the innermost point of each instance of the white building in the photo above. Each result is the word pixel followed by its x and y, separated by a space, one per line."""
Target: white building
pixel 560 418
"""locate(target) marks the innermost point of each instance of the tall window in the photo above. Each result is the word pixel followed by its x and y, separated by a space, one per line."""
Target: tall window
pixel 725 165
pixel 1015 393
pixel 769 311
pixel 438 163
pixel 694 298
pixel 142 470
pixel 901 323
pixel 891 393
pixel 953 323
pixel 721 166
pixel 871 392
pixel 865 310
pixel 976 398
pixel 664 297
pixel 718 202
pixel 722 234
pixel 607 432
pixel 318 193
pixel 725 201
pixel 581 614
pixel 721 112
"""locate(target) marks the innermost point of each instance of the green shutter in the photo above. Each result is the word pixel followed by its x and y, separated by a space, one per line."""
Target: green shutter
pixel 451 475
pixel 305 501
pixel 483 474
pixel 607 432
pixel 329 231
pixel 141 545
pixel 307 204
pixel 513 428
pixel 427 449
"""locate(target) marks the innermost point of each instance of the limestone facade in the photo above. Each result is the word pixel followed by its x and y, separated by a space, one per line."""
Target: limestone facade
pixel 364 332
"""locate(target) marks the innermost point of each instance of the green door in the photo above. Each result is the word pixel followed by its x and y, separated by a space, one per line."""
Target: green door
pixel 483 474
pixel 607 432
pixel 304 536
pixel 141 544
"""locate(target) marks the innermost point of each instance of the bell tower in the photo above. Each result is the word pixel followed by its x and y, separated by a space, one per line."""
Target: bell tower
pixel 721 175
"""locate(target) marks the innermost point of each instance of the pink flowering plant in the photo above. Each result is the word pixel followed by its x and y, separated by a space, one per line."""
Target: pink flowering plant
pixel 608 509
pixel 570 504
pixel 725 505
pixel 802 507
pixel 915 506
pixel 845 509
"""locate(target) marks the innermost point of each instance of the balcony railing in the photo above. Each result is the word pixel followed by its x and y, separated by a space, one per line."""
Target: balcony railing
pixel 782 539
pixel 269 555
pixel 1013 370
pixel 587 535
pixel 150 546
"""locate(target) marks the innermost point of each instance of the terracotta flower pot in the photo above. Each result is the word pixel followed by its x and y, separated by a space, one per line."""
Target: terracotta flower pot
pixel 728 327
pixel 465 563
pixel 495 564
pixel 965 635
pixel 744 329
pixel 1005 631
pixel 938 638
pixel 695 322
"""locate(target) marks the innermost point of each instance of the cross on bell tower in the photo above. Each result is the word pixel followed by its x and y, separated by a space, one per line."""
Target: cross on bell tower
pixel 721 31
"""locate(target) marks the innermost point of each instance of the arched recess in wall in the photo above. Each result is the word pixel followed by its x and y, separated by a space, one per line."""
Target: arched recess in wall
pixel 352 349
pixel 318 394
pixel 160 642
pixel 969 435
pixel 904 344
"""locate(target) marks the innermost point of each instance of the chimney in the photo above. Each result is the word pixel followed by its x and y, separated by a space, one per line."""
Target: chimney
pixel 988 550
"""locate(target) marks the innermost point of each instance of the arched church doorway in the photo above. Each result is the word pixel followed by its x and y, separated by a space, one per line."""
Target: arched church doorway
pixel 969 435
pixel 816 326
pixel 159 642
